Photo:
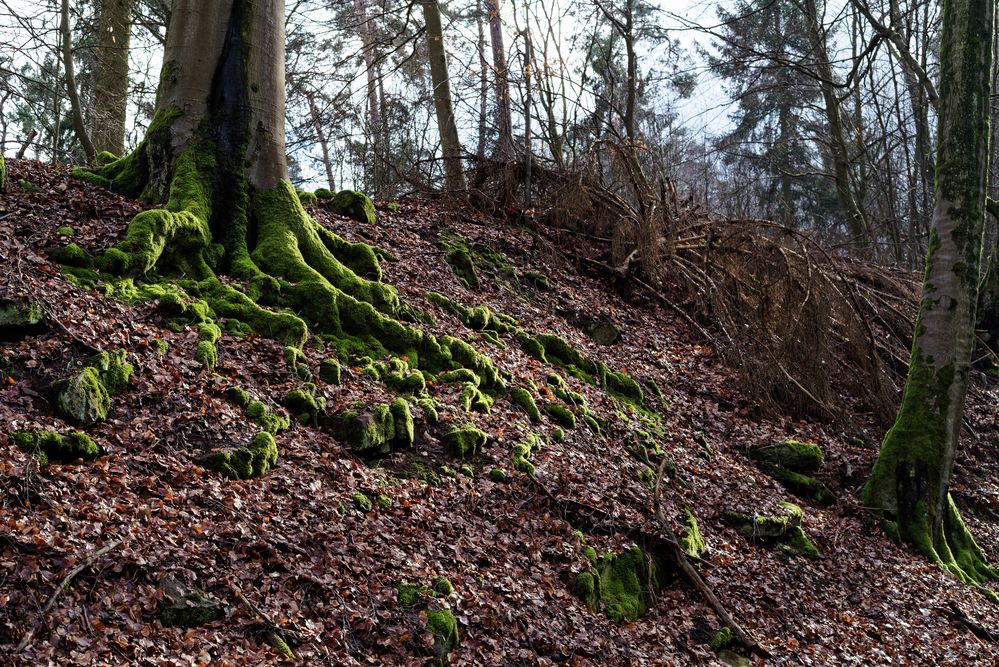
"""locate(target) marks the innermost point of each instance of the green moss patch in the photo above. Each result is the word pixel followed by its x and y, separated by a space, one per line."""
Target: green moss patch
pixel 113 369
pixel 253 460
pixel 71 255
pixel 525 400
pixel 20 318
pixel 624 584
pixel 561 415
pixel 182 606
pixel 355 205
pixel 783 531
pixel 82 399
pixel 463 440
pixel 444 627
pixel 691 540
pixel 49 446
pixel 796 456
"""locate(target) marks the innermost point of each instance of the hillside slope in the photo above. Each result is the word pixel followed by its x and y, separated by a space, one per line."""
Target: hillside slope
pixel 299 551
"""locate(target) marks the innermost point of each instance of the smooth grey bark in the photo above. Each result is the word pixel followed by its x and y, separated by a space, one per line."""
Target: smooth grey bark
pixel 317 125
pixel 110 103
pixel 454 173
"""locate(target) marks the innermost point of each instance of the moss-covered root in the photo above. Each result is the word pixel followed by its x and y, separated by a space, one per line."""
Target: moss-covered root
pixel 692 542
pixel 444 627
pixel 47 446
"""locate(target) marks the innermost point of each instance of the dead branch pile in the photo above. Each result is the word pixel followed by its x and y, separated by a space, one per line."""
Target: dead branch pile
pixel 808 331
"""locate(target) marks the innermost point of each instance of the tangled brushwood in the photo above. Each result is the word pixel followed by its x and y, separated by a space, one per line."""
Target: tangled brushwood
pixel 808 331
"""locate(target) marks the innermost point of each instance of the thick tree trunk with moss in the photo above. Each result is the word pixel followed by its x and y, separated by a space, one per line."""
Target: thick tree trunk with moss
pixel 911 478
pixel 215 155
pixel 108 111
pixel 454 174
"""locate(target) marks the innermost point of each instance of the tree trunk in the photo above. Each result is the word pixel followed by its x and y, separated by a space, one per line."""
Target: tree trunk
pixel 317 125
pixel 215 154
pixel 856 220
pixel 114 30
pixel 454 173
pixel 911 478
pixel 501 83
pixel 74 95
pixel 374 112
pixel 480 44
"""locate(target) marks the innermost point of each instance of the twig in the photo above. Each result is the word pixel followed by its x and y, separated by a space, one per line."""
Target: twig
pixel 63 585
pixel 272 636
pixel 976 628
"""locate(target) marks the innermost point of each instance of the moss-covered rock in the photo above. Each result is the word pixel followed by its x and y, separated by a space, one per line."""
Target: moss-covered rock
pixel 182 606
pixel 330 371
pixel 602 330
pixel 354 205
pixel 471 399
pixel 561 415
pixel 49 446
pixel 260 414
pixel 525 400
pixel 411 595
pixel 799 484
pixel 239 396
pixel 253 460
pixel 444 627
pixel 722 639
pixel 442 586
pixel 82 399
pixel 463 440
pixel 384 502
pixel 371 432
pixel 795 455
pixel 28 186
pixel 20 318
pixel 362 502
pixel 624 584
pixel 460 260
pixel 691 540
pixel 405 430
pixel 585 587
pixel 71 255
pixel 113 369
pixel 458 376
pixel 304 405
pixel 66 230
pixel 783 531
pixel 498 475
pixel 307 198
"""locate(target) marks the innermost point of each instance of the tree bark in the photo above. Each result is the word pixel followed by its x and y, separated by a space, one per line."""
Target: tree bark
pixel 79 128
pixel 910 481
pixel 317 125
pixel 114 30
pixel 454 173
pixel 374 111
pixel 501 83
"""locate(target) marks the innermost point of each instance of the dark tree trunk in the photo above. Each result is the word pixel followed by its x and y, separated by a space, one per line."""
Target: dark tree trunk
pixel 108 110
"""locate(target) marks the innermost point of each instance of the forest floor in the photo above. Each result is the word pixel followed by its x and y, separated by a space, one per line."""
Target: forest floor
pixel 309 560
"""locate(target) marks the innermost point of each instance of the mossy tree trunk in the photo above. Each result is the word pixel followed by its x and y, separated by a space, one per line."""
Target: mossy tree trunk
pixel 215 154
pixel 911 478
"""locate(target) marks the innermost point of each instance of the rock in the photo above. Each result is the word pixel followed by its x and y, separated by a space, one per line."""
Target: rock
pixel 82 399
pixel 603 331
pixel 20 319
pixel 354 205
pixel 797 456
pixel 185 606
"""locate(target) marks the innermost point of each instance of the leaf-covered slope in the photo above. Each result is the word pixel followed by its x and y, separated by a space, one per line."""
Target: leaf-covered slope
pixel 300 546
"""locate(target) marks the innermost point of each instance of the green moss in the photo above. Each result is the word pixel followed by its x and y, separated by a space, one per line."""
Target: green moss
pixel 373 432
pixel 621 385
pixel 722 640
pixel 307 198
pixel 393 207
pixel 362 502
pixel 29 187
pixel 160 346
pixel 256 409
pixel 783 531
pixel 558 435
pixel 796 456
pixel 190 611
pixel 538 281
pixel 443 626
pixel 113 370
pixel 521 453
pixel 429 407
pixel 49 446
pixel 800 485
pixel 562 415
pixel 253 460
pixel 442 586
pixel 239 396
pixel 82 399
pixel 206 355
pixel 324 193
pixel 330 371
pixel 523 398
pixel 691 541
pixel 304 405
pixel 104 158
pixel 463 440
pixel 66 230
pixel 590 554
pixel 354 205
pixel 460 260
pixel 383 501
pixel 458 376
pixel 625 584
pixel 585 587
pixel 261 415
pixel 471 399
pixel 498 475
pixel 405 432
pixel 411 595
pixel 71 255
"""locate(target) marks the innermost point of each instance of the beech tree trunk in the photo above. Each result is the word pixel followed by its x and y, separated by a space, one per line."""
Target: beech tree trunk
pixel 454 173
pixel 374 112
pixel 910 481
pixel 110 103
